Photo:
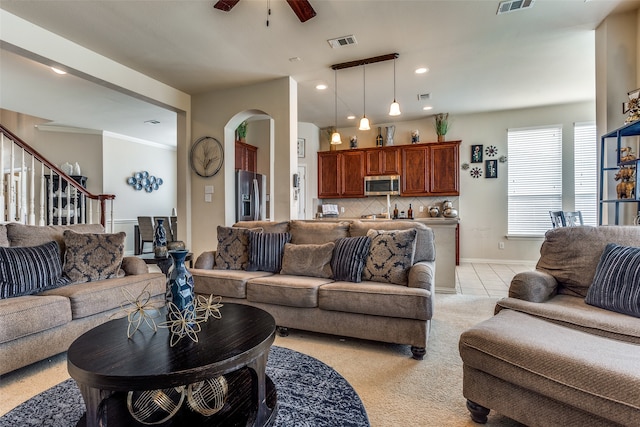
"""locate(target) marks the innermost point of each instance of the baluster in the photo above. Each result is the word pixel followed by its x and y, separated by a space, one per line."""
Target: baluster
pixel 32 195
pixel 69 201
pixel 42 194
pixel 51 218
pixel 23 191
pixel 2 189
pixel 111 214
pixel 90 211
pixel 12 184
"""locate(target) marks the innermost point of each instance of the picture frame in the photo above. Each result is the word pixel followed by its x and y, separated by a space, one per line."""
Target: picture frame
pixel 491 169
pixel 476 153
pixel 301 143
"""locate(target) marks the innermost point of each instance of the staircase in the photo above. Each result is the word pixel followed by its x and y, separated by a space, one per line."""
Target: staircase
pixel 26 190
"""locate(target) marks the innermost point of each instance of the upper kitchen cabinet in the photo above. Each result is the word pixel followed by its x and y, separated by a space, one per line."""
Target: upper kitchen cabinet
pixel 246 157
pixel 414 176
pixel 340 174
pixel 383 161
pixel 431 169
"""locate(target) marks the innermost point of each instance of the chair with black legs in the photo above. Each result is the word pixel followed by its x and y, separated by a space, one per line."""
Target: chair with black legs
pixel 557 219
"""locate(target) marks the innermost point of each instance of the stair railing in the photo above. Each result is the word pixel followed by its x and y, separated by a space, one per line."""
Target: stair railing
pixel 19 192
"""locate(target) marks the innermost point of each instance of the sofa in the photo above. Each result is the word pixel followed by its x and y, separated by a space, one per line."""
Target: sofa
pixel 564 347
pixel 330 279
pixel 57 282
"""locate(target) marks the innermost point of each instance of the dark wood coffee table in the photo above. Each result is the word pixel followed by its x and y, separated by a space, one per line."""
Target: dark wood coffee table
pixel 107 365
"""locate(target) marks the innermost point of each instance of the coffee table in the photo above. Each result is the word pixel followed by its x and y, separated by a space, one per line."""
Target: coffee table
pixel 107 365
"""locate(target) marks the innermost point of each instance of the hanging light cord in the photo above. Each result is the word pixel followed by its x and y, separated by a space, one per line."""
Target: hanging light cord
pixel 268 11
pixel 364 92
pixel 394 79
pixel 335 86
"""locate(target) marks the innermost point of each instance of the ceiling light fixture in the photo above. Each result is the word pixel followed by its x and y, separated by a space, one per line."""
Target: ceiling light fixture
pixel 351 117
pixel 58 71
pixel 394 110
pixel 427 107
pixel 321 86
pixel 421 70
pixel 364 122
pixel 335 137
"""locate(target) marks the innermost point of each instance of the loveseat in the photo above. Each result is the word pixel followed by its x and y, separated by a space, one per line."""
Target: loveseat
pixel 564 347
pixel 57 282
pixel 371 280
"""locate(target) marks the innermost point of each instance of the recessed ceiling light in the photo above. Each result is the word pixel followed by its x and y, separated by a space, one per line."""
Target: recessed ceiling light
pixel 58 70
pixel 295 59
pixel 427 107
pixel 351 117
pixel 421 70
pixel 321 86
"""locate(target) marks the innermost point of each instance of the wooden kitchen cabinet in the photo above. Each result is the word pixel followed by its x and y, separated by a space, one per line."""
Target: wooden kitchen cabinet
pixel 414 176
pixel 383 161
pixel 340 174
pixel 246 157
pixel 444 169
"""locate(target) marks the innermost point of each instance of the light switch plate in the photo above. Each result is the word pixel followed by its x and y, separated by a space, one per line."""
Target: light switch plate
pixel 208 189
pixel 207 198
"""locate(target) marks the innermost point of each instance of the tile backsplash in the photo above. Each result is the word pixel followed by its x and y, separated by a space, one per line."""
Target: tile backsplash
pixel 355 208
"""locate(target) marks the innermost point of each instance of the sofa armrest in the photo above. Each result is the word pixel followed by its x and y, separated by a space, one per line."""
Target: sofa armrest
pixel 133 266
pixel 422 275
pixel 534 286
pixel 206 260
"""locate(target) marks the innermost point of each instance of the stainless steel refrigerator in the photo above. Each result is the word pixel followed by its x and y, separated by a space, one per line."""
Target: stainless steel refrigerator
pixel 251 191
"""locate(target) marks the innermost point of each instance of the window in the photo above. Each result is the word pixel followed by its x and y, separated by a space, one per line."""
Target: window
pixel 535 178
pixel 585 158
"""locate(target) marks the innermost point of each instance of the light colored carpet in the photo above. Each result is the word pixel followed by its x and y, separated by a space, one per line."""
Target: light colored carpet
pixel 395 389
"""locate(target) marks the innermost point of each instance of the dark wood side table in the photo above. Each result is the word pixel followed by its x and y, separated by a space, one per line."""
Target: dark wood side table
pixel 107 365
pixel 164 263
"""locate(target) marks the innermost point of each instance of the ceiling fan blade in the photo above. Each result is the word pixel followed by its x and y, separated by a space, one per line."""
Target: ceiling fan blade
pixel 225 5
pixel 303 9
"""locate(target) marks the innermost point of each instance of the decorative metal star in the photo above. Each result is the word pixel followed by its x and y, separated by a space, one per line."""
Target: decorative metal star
pixel 208 307
pixel 139 310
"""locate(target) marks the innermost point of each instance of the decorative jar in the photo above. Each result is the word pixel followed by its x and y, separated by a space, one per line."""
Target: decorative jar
pixel 180 286
pixel 160 240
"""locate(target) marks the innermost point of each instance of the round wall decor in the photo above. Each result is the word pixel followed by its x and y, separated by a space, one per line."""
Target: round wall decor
pixel 206 156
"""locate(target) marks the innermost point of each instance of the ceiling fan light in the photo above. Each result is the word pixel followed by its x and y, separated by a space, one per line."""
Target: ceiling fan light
pixel 394 110
pixel 335 138
pixel 364 124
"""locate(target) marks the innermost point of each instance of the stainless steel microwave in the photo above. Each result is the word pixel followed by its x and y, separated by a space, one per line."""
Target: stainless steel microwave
pixel 381 185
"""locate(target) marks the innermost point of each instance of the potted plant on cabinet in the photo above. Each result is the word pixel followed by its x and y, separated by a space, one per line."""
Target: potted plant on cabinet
pixel 441 125
pixel 241 132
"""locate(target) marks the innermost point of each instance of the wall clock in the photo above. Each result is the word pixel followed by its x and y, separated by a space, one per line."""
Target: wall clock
pixel 206 156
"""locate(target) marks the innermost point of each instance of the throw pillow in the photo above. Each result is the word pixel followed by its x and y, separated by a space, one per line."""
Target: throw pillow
pixel 233 248
pixel 265 251
pixel 308 260
pixel 616 284
pixel 349 257
pixel 390 256
pixel 90 257
pixel 29 270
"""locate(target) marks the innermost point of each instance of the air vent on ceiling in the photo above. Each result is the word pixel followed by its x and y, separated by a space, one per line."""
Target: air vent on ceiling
pixel 424 96
pixel 151 122
pixel 511 5
pixel 342 41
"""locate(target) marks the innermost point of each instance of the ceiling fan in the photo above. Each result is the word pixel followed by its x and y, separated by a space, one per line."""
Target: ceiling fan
pixel 302 8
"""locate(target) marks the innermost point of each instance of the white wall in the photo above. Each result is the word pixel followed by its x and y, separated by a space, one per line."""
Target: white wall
pixel 310 133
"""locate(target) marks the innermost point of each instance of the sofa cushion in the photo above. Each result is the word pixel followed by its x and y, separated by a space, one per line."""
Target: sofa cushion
pixel 90 257
pixel 425 243
pixel 265 251
pixel 267 226
pixel 308 260
pixel 29 270
pixel 31 314
pixel 233 248
pixel 616 284
pixel 390 256
pixel 377 299
pixel 349 257
pixel 34 235
pixel 571 254
pixel 317 232
pixel 224 283
pixel 280 289
pixel 91 298
pixel 4 239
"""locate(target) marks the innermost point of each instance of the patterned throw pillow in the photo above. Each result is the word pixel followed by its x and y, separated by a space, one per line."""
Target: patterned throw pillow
pixel 233 248
pixel 616 284
pixel 90 257
pixel 265 251
pixel 29 270
pixel 390 256
pixel 308 260
pixel 349 257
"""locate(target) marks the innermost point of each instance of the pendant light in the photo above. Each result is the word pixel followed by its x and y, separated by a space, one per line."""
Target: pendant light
pixel 364 122
pixel 394 110
pixel 335 137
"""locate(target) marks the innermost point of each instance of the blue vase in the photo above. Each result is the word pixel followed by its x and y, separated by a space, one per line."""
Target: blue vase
pixel 180 285
pixel 160 240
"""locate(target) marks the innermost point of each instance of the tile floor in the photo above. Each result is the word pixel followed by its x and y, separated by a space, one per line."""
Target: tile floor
pixel 487 279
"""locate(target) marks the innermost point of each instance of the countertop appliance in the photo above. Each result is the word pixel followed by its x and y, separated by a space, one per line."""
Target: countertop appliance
pixel 251 192
pixel 382 185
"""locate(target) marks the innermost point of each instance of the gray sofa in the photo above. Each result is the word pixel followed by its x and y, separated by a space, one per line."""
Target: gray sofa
pixel 372 310
pixel 550 356
pixel 34 327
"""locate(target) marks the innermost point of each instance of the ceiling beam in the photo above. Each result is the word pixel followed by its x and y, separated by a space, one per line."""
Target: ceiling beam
pixel 365 61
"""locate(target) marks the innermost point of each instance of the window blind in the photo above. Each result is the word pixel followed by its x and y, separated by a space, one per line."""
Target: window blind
pixel 585 165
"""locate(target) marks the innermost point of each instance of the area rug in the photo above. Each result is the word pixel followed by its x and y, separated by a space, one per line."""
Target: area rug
pixel 310 393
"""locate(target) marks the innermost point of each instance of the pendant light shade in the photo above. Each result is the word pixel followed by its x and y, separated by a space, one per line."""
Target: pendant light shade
pixel 364 122
pixel 394 110
pixel 335 136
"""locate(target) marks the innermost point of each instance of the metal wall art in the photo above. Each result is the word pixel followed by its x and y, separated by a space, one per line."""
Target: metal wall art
pixel 144 181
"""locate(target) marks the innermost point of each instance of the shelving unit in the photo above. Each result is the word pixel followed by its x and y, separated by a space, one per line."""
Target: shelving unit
pixel 608 168
pixel 61 203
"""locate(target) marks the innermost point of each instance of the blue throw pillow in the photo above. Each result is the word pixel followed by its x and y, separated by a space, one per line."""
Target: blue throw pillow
pixel 616 284
pixel 349 257
pixel 265 251
pixel 29 270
